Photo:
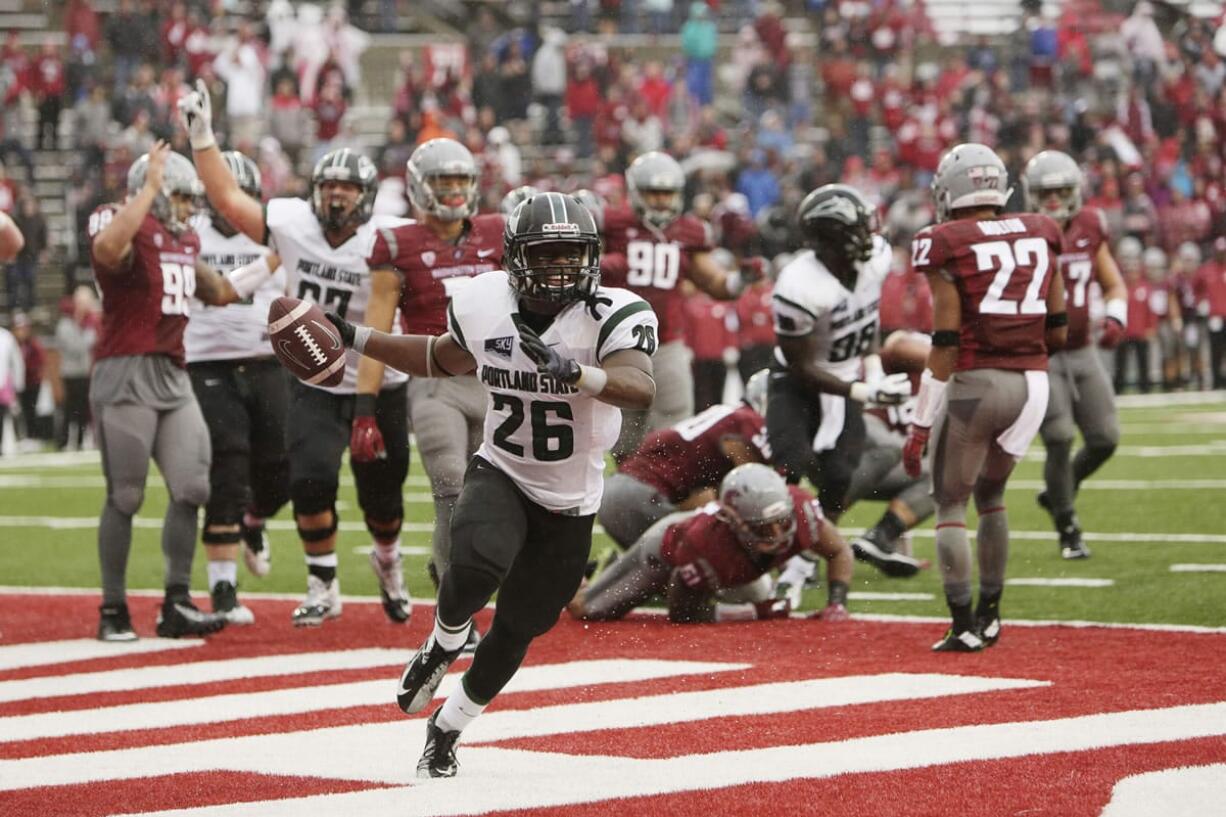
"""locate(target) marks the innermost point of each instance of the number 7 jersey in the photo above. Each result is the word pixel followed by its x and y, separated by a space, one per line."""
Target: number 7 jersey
pixel 1003 268
pixel 548 437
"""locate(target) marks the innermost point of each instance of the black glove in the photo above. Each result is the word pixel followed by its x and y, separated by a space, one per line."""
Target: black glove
pixel 547 360
pixel 344 327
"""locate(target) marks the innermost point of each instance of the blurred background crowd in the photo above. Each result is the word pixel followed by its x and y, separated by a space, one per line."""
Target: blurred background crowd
pixel 761 101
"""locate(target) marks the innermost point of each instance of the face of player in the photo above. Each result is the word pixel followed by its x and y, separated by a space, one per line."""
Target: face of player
pixel 770 537
pixel 339 199
pixel 182 207
pixel 660 199
pixel 452 190
pixel 553 271
pixel 1055 199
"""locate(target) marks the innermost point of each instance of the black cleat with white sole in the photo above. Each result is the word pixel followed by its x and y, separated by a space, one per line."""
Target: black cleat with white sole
pixel 438 758
pixel 896 565
pixel 179 618
pixel 422 675
pixel 115 624
pixel 964 641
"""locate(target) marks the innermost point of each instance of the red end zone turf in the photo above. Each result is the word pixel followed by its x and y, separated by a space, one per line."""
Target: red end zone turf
pixel 987 752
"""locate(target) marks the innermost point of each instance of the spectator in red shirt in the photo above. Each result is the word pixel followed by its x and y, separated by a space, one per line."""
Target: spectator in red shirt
pixel 655 89
pixel 47 85
pixel 1183 219
pixel 80 19
pixel 330 109
pixel 906 301
pixel 582 106
pixel 1210 286
pixel 710 331
pixel 757 328
pixel 174 33
pixel 1142 323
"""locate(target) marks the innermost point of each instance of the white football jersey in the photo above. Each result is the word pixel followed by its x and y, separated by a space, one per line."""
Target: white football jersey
pixel 238 331
pixel 548 437
pixel 809 299
pixel 336 278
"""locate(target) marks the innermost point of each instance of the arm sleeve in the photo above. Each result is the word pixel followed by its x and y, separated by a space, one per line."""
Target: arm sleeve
pixel 630 325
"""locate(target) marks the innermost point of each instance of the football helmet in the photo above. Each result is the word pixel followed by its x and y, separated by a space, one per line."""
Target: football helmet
pixel 1053 172
pixel 838 224
pixel 754 499
pixel 651 172
pixel 552 218
pixel 436 158
pixel 247 174
pixel 515 198
pixel 343 165
pixel 969 175
pixel 755 390
pixel 178 179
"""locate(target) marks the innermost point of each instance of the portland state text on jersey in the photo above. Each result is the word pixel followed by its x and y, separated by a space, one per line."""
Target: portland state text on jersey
pixel 324 272
pixel 519 380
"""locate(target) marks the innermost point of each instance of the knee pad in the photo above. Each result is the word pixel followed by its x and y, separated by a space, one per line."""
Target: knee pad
pixel 194 492
pixel 269 488
pixel 383 531
pixel 465 590
pixel 311 496
pixel 319 534
pixel 127 498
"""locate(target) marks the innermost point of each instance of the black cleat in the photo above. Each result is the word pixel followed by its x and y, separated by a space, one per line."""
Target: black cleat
pixel 887 561
pixel 226 604
pixel 179 617
pixel 438 758
pixel 114 623
pixel 987 621
pixel 422 675
pixel 474 638
pixel 1072 546
pixel 965 641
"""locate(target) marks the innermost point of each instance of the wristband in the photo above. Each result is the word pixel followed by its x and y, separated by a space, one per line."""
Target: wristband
pixel 946 337
pixel 361 334
pixel 859 392
pixel 734 283
pixel 837 592
pixel 248 278
pixel 931 393
pixel 1117 310
pixel 364 405
pixel 202 142
pixel 592 380
pixel 1056 320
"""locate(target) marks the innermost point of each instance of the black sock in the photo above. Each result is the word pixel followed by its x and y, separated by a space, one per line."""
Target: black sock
pixel 1066 520
pixel 177 592
pixel 325 574
pixel 963 620
pixel 887 530
pixel 989 605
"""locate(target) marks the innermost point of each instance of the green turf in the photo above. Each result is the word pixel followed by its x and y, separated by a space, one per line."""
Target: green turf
pixel 36 554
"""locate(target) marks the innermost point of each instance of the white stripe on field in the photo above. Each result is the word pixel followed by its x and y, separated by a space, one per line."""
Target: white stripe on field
pixel 42 653
pixel 322 697
pixel 897 618
pixel 1210 448
pixel 199 672
pixel 1195 568
pixel 869 596
pixel 1042 582
pixel 1046 536
pixel 1126 484
pixel 1182 398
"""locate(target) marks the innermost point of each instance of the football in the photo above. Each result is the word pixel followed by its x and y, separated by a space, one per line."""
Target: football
pixel 306 342
pixel 905 352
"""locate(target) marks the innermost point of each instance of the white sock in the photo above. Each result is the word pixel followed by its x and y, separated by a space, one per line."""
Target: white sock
pixel 458 711
pixel 386 554
pixel 450 638
pixel 326 560
pixel 222 572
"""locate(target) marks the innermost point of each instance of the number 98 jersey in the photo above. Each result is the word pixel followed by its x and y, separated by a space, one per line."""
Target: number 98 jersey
pixel 145 303
pixel 548 437
pixel 808 299
pixel 336 278
pixel 1002 268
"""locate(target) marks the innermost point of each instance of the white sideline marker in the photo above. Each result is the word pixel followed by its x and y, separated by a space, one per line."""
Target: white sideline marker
pixel 1041 582
pixel 869 596
pixel 1194 568
pixel 44 653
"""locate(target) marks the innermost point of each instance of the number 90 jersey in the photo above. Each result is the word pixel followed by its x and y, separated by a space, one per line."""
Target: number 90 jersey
pixel 808 299
pixel 1002 268
pixel 550 438
pixel 336 278
pixel 145 304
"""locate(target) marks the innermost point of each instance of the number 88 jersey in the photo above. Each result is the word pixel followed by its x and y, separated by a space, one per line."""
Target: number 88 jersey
pixel 1002 268
pixel 145 301
pixel 809 299
pixel 336 278
pixel 655 262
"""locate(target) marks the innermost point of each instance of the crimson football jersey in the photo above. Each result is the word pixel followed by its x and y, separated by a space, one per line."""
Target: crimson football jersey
pixel 434 269
pixel 680 460
pixel 1002 267
pixel 145 303
pixel 1084 234
pixel 651 264
pixel 709 555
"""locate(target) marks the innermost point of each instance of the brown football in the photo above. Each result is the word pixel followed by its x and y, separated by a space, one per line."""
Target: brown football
pixel 905 352
pixel 306 342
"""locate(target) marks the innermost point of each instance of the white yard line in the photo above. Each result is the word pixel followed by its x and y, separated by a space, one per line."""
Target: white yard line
pixel 1046 582
pixel 41 653
pixel 1196 568
pixel 870 596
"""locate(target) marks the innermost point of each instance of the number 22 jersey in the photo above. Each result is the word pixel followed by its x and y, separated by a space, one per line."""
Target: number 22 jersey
pixel 550 438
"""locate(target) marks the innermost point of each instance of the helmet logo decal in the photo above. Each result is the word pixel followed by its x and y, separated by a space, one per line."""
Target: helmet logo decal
pixel 428 258
pixel 561 228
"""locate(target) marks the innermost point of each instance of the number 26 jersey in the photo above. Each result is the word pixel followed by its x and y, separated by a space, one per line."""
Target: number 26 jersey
pixel 548 437
pixel 336 278
pixel 1002 268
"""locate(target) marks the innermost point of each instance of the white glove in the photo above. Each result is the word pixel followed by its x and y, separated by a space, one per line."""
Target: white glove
pixel 891 390
pixel 196 111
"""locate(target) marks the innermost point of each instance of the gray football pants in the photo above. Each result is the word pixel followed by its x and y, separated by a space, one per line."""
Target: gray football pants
pixel 966 460
pixel 448 417
pixel 1081 397
pixel 629 507
pixel 673 403
pixel 177 439
pixel 881 476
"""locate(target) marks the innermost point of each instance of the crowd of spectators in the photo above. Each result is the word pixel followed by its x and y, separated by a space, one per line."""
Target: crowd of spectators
pixel 865 93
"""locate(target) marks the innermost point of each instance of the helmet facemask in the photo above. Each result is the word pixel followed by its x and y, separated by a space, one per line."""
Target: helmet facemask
pixel 766 535
pixel 658 208
pixel 334 208
pixel 555 271
pixel 449 196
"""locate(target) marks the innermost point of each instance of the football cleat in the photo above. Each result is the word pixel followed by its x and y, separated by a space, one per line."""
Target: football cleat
pixel 114 623
pixel 474 638
pixel 227 605
pixel 257 551
pixel 179 618
pixel 965 641
pixel 422 675
pixel 1072 546
pixel 396 602
pixel 323 601
pixel 887 561
pixel 438 758
pixel 987 620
